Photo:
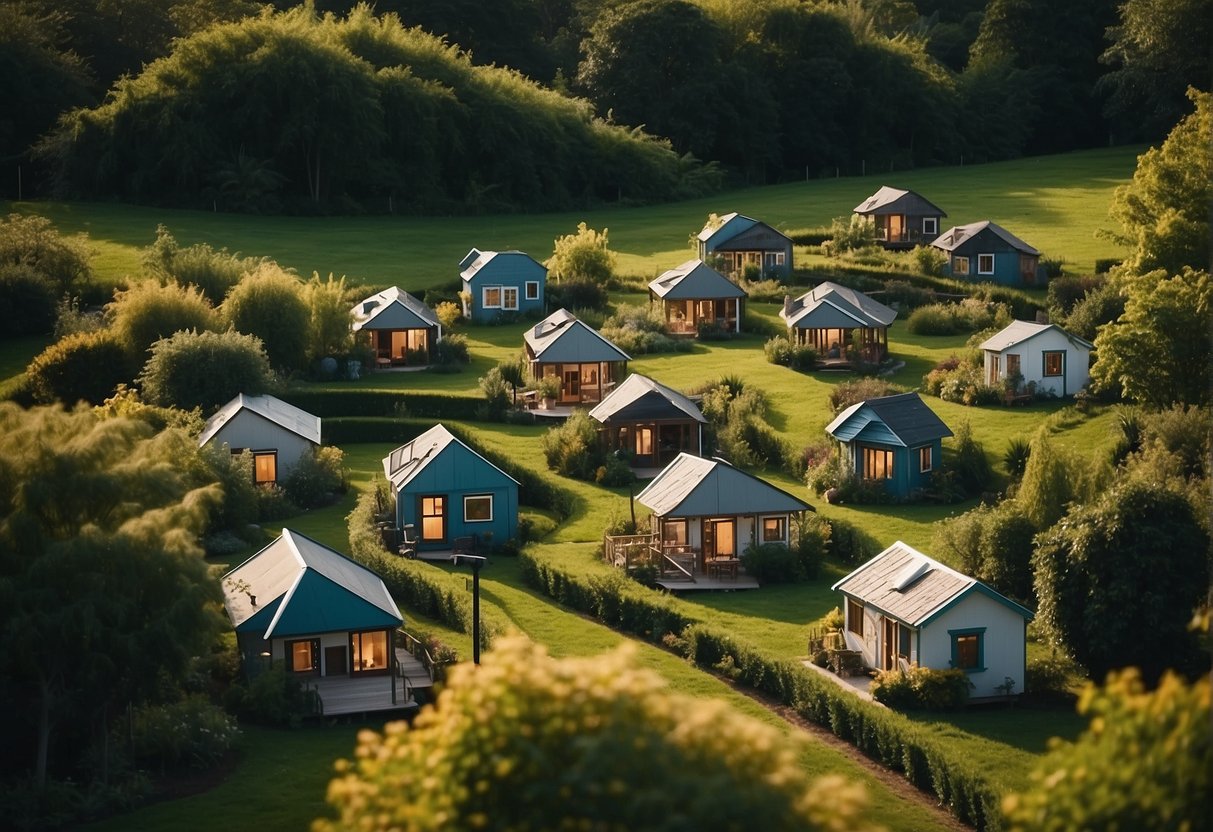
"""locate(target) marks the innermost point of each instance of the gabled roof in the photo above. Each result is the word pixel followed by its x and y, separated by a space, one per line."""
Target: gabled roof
pixel 903 420
pixel 392 309
pixel 476 261
pixel 830 306
pixel 691 486
pixel 954 237
pixel 1019 331
pixel 411 458
pixel 267 407
pixel 895 200
pixel 731 225
pixel 905 584
pixel 640 397
pixel 694 280
pixel 561 338
pixel 296 586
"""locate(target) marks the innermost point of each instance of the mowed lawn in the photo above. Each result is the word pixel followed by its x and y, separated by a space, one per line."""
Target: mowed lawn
pixel 1056 203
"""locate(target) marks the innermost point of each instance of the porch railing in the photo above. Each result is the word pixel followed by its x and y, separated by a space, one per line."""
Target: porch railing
pixel 627 551
pixel 415 648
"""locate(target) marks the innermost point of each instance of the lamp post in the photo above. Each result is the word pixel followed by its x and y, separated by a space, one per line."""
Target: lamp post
pixel 476 561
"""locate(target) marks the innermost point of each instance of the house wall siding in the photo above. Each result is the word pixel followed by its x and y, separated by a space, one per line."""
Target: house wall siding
pixel 501 272
pixel 248 430
pixel 1031 352
pixel 456 473
pixel 1004 649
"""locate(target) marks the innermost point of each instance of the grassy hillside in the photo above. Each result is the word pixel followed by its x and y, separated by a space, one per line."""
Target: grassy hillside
pixel 1056 203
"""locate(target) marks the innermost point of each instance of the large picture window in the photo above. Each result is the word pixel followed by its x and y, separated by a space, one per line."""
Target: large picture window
pixel 877 464
pixel 369 651
pixel 968 648
pixel 265 467
pixel 491 297
pixel 433 518
pixel 478 508
pixel 985 264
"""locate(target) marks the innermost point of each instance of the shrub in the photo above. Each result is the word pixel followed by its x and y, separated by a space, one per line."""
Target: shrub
pixel 780 350
pixel 34 242
pixel 148 312
pixel 811 543
pixel 1015 457
pixel 577 294
pixel 1052 678
pixel 849 234
pixel 573 449
pixel 213 272
pixel 204 369
pixel 640 329
pixel 316 477
pixel 970 315
pixel 929 260
pixel 1100 306
pixel 932 320
pixel 772 563
pixel 190 734
pixel 27 302
pixel 328 329
pixel 906 294
pixel 860 390
pixel 922 688
pixel 496 396
pixel 272 697
pixel 70 318
pixel 88 366
pixel 273 503
pixel 614 472
pixel 452 351
pixel 969 461
pixel 582 257
pixel 449 314
pixel 269 304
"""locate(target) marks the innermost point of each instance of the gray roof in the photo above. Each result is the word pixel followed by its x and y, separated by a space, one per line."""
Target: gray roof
pixel 709 231
pixel 905 584
pixel 895 200
pixel 908 419
pixel 410 459
pixel 628 396
pixel 268 407
pixel 475 260
pixel 562 339
pixel 691 486
pixel 277 571
pixel 1017 332
pixel 392 309
pixel 693 280
pixel 840 304
pixel 955 237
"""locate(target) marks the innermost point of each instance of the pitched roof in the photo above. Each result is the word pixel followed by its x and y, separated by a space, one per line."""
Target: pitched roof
pixel 691 486
pixel 905 584
pixel 267 407
pixel 1017 332
pixel 296 586
pixel 954 237
pixel 692 280
pixel 896 199
pixel 476 260
pixel 836 306
pixel 903 419
pixel 562 338
pixel 392 309
pixel 410 459
pixel 640 397
pixel 730 226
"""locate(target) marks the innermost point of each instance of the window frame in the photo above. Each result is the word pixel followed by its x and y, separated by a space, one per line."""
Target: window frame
pixel 926 459
pixel 854 617
pixel 934 223
pixel 257 457
pixel 869 454
pixel 485 303
pixel 960 265
pixel 477 497
pixel 506 293
pixel 530 290
pixel 357 647
pixel 674 524
pixel 984 257
pixel 313 648
pixel 780 534
pixel 1061 363
pixel 444 502
pixel 979 634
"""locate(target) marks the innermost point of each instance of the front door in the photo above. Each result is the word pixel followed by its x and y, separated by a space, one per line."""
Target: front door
pixel 335 662
pixel 888 644
pixel 571 389
pixel 720 538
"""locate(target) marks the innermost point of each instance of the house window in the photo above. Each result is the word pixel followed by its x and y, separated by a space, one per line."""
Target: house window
pixel 1053 363
pixel 433 518
pixel 369 651
pixel 1012 365
pixel 674 533
pixel 644 441
pixel 491 297
pixel 775 529
pixel 855 617
pixel 924 459
pixel 774 258
pixel 968 649
pixel 509 297
pixel 532 290
pixel 985 264
pixel 960 265
pixel 877 464
pixel 303 656
pixel 265 467
pixel 930 225
pixel 478 509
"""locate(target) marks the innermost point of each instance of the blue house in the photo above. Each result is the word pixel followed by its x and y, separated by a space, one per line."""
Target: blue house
pixel 501 284
pixel 447 491
pixel 987 252
pixel 894 440
pixel 735 241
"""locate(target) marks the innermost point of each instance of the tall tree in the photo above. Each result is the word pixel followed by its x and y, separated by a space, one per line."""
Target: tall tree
pixel 270 303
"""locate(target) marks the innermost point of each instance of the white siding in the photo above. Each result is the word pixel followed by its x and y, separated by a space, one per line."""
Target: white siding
pixel 248 430
pixel 1003 642
pixel 1031 363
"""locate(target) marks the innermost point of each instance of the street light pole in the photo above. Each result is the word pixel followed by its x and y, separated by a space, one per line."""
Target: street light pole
pixel 476 561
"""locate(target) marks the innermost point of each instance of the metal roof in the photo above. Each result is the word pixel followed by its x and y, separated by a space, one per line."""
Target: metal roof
pixel 831 306
pixel 476 261
pixel 740 222
pixel 691 486
pixel 694 280
pixel 267 407
pixel 1017 332
pixel 392 308
pixel 905 584
pixel 957 236
pixel 562 338
pixel 640 397
pixel 297 586
pixel 908 420
pixel 410 459
pixel 897 200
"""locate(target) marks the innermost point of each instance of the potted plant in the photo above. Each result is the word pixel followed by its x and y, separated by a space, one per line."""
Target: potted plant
pixel 548 388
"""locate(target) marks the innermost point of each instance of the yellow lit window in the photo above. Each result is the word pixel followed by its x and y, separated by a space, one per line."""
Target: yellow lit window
pixel 433 518
pixel 265 467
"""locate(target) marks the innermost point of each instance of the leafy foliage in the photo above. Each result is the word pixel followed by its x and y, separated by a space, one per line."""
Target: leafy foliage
pixel 969 461
pixel 213 272
pixel 640 330
pixel 27 302
pixel 328 331
pixel 205 369
pixel 922 688
pixel 565 731
pixel 970 315
pixel 269 303
pixel 1048 484
pixel 573 449
pixel 993 544
pixel 860 390
pixel 316 477
pixel 87 366
pixel 780 350
pixel 149 311
pixel 33 241
pixel 582 257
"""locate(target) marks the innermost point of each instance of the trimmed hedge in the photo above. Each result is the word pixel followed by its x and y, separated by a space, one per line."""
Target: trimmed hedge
pixel 332 403
pixel 883 735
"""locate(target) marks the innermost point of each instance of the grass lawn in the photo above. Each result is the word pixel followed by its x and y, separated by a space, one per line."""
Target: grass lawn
pixel 1056 203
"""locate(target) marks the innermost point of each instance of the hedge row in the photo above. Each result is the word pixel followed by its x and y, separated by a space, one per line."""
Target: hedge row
pixel 884 735
pixel 332 403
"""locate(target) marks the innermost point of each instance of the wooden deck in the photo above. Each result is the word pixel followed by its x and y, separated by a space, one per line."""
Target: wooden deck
pixel 359 695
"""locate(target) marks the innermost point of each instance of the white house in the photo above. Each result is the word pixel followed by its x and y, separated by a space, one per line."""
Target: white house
pixel 278 434
pixel 1044 354
pixel 903 605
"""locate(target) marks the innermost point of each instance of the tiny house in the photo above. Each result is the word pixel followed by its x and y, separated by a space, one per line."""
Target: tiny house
pixel 650 422
pixel 987 252
pixel 587 365
pixel 693 295
pixel 834 319
pixel 276 433
pixel 500 284
pixel 399 328
pixel 736 242
pixel 901 219
pixel 1044 356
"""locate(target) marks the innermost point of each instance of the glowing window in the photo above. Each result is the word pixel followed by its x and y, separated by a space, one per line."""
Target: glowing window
pixel 433 518
pixel 265 467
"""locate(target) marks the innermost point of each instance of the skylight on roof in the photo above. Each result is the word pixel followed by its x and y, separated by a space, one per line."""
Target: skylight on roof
pixel 910 573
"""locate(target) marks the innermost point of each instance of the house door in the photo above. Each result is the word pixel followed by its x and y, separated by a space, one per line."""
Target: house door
pixel 720 538
pixel 888 644
pixel 896 227
pixel 335 663
pixel 570 391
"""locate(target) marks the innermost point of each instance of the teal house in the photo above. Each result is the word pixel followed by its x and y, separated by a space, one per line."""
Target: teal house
pixel 327 619
pixel 501 285
pixel 984 252
pixel 446 491
pixel 736 241
pixel 893 440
